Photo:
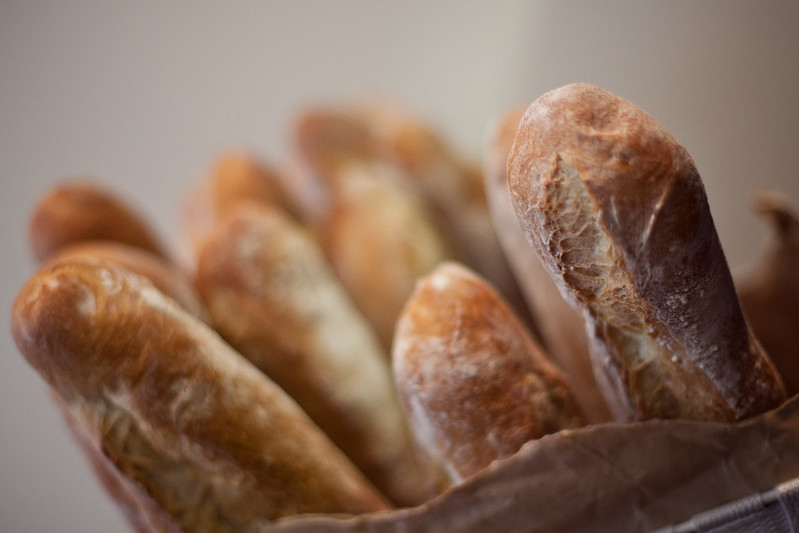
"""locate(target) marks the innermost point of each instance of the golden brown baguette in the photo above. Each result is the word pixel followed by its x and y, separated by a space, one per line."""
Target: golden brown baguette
pixel 81 211
pixel 769 290
pixel 236 178
pixel 452 189
pixel 326 143
pixel 562 330
pixel 274 297
pixel 380 242
pixel 616 209
pixel 376 233
pixel 474 384
pixel 191 423
pixel 166 277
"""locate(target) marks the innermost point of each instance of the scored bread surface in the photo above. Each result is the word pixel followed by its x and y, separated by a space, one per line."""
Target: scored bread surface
pixel 616 208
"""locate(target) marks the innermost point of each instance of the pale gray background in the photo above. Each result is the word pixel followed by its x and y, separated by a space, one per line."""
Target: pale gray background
pixel 143 95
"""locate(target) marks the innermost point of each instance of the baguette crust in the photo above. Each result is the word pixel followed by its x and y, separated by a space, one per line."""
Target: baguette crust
pixel 236 178
pixel 142 513
pixel 376 232
pixel 380 242
pixel 326 142
pixel 166 277
pixel 274 297
pixel 615 207
pixel 81 211
pixel 474 384
pixel 453 191
pixel 193 425
pixel 562 329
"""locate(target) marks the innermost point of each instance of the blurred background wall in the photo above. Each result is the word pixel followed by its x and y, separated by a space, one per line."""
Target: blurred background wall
pixel 143 95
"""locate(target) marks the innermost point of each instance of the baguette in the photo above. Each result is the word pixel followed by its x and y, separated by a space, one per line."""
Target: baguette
pixel 204 434
pixel 561 328
pixel 235 179
pixel 274 297
pixel 380 242
pixel 374 230
pixel 166 277
pixel 81 211
pixel 326 144
pixel 616 209
pixel 453 191
pixel 474 384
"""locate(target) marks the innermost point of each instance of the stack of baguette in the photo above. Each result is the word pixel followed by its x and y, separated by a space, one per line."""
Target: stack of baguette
pixel 383 322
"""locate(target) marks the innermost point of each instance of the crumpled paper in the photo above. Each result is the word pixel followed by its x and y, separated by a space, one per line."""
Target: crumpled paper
pixel 608 477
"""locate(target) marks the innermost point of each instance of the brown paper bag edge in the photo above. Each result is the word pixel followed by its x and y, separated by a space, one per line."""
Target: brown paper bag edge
pixel 607 477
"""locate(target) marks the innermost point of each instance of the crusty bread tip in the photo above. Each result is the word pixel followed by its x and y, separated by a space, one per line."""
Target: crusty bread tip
pixel 78 211
pixel 474 384
pixel 615 207
pixel 165 276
